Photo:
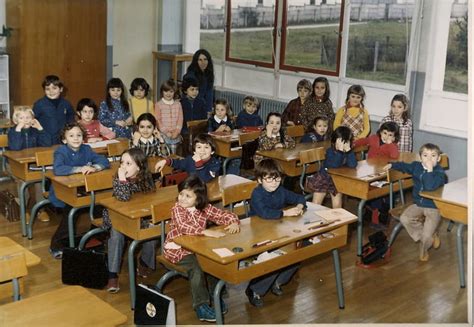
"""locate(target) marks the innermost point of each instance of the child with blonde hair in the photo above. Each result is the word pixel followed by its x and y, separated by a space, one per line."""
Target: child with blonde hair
pixel 221 117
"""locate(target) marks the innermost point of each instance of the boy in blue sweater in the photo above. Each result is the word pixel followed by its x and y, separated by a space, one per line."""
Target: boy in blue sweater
pixel 421 219
pixel 52 110
pixel 201 163
pixel 268 202
pixel 72 157
pixel 249 117
pixel 28 132
pixel 194 108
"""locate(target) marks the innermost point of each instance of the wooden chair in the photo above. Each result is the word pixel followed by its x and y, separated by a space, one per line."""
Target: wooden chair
pixel 238 193
pixel 295 132
pixel 360 152
pixel 195 127
pixel 44 160
pixel 12 268
pixel 160 214
pixel 248 137
pixel 394 176
pixel 93 186
pixel 307 158
pixel 115 150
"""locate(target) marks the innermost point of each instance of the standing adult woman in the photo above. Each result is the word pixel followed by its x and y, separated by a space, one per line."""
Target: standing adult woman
pixel 202 69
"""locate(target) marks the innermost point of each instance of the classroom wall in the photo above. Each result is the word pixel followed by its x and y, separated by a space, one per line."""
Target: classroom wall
pixel 3 42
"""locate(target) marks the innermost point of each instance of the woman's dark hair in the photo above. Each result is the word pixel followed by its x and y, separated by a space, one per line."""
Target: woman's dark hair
pixel 282 130
pixel 86 102
pixel 204 139
pixel 148 117
pixel 70 126
pixel 342 132
pixel 115 82
pixel 139 83
pixel 208 72
pixel 195 184
pixel 324 80
pixel 403 99
pixel 390 126
pixel 144 178
pixel 268 167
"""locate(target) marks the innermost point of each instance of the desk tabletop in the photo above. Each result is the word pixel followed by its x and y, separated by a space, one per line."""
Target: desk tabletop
pixel 229 137
pixel 253 230
pixel 453 192
pixel 67 306
pixel 294 153
pixel 8 246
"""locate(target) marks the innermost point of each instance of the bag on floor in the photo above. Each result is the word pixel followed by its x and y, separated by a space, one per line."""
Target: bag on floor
pixel 375 249
pixel 87 268
pixel 9 208
pixel 174 178
pixel 248 152
pixel 153 308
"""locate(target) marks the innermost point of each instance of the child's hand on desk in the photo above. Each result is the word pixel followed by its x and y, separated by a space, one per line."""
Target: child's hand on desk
pixel 212 233
pixel 159 165
pixel 387 167
pixel 232 228
pixel 86 170
pixel 295 211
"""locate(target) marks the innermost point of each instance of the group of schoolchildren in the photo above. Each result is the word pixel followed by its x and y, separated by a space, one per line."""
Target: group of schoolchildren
pixel 158 132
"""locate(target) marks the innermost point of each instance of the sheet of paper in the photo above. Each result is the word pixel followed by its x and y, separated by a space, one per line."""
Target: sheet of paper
pixel 223 252
pixel 334 214
pixel 311 214
pixel 102 144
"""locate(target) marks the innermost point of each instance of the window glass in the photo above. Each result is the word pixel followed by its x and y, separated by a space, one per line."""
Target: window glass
pixel 311 37
pixel 455 77
pixel 379 36
pixel 251 36
pixel 212 27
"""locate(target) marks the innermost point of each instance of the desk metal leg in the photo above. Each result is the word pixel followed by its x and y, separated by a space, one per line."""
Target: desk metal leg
pixel 22 197
pixel 224 166
pixel 131 272
pixel 337 272
pixel 460 250
pixel 360 221
pixel 70 224
pixel 217 302
pixel 34 211
pixel 16 289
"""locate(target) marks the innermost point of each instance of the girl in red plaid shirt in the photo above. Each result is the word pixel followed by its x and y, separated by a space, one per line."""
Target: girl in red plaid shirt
pixel 189 216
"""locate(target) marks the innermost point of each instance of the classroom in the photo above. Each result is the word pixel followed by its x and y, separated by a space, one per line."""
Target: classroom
pixel 331 139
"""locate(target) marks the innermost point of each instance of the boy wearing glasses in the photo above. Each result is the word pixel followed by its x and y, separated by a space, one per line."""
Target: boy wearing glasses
pixel 268 202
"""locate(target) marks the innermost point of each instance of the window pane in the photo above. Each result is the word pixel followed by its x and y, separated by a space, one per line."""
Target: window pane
pixel 251 34
pixel 455 78
pixel 212 27
pixel 312 34
pixel 379 35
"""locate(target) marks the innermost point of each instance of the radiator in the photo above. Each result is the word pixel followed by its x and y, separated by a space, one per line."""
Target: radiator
pixel 235 100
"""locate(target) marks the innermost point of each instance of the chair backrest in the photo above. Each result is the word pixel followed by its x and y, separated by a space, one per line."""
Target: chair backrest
pixel 444 162
pixel 296 131
pixel 44 159
pixel 237 193
pixel 161 212
pixel 3 140
pixel 196 127
pixel 94 183
pixel 115 150
pixel 12 266
pixel 248 137
pixel 308 157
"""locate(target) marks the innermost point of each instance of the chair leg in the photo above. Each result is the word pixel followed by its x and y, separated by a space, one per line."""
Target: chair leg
pixel 450 225
pixel 398 227
pixel 34 212
pixel 88 235
pixel 165 278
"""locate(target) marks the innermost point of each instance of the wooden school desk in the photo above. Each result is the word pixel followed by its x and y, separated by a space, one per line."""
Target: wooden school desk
pixel 9 247
pixel 67 306
pixel 355 182
pixel 126 216
pixel 286 234
pixel 20 162
pixel 451 200
pixel 227 146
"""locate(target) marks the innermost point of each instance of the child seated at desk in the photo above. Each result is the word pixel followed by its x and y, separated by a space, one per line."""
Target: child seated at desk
pixel 132 177
pixel 320 131
pixel 189 216
pixel 148 138
pixel 87 111
pixel 201 163
pixel 267 201
pixel 249 116
pixel 71 158
pixel 221 117
pixel 421 219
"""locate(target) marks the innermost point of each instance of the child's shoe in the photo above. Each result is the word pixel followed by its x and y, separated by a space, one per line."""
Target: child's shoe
pixel 43 216
pixel 205 313
pixel 254 298
pixel 113 285
pixel 436 241
pixel 424 255
pixel 276 289
pixel 56 254
pixel 143 271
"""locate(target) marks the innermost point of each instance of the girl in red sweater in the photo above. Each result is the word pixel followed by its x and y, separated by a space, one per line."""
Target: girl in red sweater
pixel 382 144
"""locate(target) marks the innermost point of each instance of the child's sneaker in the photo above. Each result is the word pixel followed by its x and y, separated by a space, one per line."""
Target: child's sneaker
pixel 113 285
pixel 43 216
pixel 205 313
pixel 436 241
pixel 143 271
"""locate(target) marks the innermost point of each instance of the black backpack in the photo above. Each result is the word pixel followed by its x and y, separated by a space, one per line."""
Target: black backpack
pixel 375 249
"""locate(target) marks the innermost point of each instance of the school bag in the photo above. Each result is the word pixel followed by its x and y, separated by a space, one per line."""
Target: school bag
pixel 375 249
pixel 9 208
